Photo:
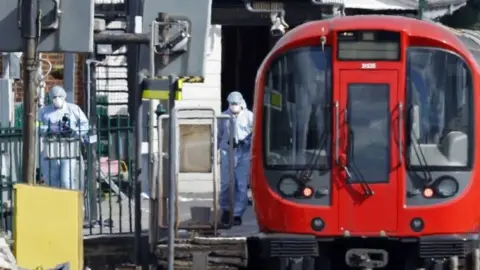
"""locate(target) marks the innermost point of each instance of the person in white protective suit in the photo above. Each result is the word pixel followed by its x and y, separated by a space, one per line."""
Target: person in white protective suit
pixel 243 121
pixel 66 120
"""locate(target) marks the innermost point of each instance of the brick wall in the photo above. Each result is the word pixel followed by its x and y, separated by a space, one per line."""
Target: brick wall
pixel 57 59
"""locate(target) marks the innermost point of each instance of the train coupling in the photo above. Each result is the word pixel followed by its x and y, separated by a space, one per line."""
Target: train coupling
pixel 366 258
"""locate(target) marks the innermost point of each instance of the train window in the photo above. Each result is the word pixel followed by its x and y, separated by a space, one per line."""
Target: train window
pixel 296 113
pixel 368 117
pixel 440 94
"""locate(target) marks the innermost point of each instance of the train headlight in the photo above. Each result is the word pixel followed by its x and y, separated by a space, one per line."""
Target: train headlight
pixel 446 186
pixel 288 185
pixel 417 224
pixel 317 224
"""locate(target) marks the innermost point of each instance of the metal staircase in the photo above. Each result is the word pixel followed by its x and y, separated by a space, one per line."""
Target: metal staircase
pixel 111 74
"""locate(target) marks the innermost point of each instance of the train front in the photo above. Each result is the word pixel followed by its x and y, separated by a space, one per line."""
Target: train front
pixel 365 138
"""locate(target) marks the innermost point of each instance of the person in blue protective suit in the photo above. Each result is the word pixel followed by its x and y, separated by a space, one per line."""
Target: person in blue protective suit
pixel 61 119
pixel 243 121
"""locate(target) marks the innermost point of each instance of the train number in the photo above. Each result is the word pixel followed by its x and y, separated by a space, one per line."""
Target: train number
pixel 369 66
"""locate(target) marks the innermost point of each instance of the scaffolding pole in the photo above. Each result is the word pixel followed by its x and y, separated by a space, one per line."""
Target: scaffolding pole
pixel 29 31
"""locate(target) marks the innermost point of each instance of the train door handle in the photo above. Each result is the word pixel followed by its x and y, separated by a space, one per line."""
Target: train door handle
pixel 342 162
pixel 400 131
pixel 337 132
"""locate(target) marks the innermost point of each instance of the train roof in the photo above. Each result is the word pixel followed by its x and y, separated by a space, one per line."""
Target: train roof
pixel 413 27
pixel 468 38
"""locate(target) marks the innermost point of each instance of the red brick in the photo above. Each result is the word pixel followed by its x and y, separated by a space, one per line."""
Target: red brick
pixel 57 59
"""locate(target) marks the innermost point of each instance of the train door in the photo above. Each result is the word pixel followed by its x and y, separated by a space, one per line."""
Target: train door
pixel 368 180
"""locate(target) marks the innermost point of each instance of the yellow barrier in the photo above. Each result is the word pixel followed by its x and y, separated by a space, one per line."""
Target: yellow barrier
pixel 48 227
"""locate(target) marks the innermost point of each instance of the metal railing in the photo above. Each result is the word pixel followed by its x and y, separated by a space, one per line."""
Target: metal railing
pixel 99 164
pixel 10 172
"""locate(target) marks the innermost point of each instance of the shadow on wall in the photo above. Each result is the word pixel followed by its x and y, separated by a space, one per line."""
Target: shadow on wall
pixel 214 33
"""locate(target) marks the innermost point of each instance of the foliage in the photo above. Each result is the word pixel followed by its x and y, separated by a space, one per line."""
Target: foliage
pixel 466 17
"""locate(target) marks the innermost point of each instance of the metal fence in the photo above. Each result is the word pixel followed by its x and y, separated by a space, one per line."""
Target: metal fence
pixel 100 163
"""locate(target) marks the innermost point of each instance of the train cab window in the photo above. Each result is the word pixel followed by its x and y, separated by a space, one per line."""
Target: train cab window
pixel 440 95
pixel 368 117
pixel 296 113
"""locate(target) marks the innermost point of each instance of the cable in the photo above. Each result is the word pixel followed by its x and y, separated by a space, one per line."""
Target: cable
pixel 50 66
pixel 96 62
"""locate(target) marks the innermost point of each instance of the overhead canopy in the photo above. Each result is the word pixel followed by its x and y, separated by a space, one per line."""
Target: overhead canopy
pixel 471 39
pixel 433 9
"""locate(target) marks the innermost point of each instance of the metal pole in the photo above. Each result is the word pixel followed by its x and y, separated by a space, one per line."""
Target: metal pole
pixel 121 39
pixel 134 8
pixel 151 129
pixel 89 87
pixel 151 107
pixel 163 31
pixel 92 161
pixel 153 236
pixel 40 104
pixel 138 180
pixel 69 76
pixel 421 8
pixel 29 33
pixel 172 158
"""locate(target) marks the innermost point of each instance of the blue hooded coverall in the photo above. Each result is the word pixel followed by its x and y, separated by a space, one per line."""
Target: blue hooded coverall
pixel 243 127
pixel 61 172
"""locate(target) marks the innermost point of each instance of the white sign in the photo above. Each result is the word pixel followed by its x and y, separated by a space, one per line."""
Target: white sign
pixel 369 66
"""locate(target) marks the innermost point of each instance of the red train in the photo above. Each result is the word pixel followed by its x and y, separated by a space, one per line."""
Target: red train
pixel 364 150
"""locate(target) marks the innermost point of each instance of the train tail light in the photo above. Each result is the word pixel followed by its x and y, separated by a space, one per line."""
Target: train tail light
pixel 307 192
pixel 428 193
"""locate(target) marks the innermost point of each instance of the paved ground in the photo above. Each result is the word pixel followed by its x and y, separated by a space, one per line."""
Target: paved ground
pixel 122 214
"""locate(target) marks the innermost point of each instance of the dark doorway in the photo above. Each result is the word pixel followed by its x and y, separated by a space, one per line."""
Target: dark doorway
pixel 243 50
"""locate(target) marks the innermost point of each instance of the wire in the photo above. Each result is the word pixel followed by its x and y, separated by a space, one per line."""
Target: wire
pixel 50 66
pixel 96 62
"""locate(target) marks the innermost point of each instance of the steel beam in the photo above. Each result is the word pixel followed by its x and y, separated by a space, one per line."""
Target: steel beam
pixel 121 39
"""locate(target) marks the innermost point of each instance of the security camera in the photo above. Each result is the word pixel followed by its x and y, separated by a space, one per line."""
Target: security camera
pixel 177 43
pixel 277 30
pixel 181 43
pixel 278 25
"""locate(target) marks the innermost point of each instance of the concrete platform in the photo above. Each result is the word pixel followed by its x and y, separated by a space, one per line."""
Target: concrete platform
pixel 122 213
pixel 114 245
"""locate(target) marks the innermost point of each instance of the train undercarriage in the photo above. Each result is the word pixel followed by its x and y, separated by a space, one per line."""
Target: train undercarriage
pixel 285 251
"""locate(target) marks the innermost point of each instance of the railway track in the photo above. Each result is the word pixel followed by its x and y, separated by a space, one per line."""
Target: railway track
pixel 220 253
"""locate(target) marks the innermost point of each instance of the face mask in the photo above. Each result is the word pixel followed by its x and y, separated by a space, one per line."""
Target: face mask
pixel 58 102
pixel 235 108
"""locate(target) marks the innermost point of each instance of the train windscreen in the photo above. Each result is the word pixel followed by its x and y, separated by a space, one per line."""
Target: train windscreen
pixel 440 94
pixel 296 113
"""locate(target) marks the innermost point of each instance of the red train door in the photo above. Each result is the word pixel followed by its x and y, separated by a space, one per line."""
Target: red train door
pixel 368 182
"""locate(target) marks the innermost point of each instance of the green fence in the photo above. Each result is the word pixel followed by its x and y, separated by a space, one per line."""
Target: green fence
pixel 10 171
pixel 99 162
